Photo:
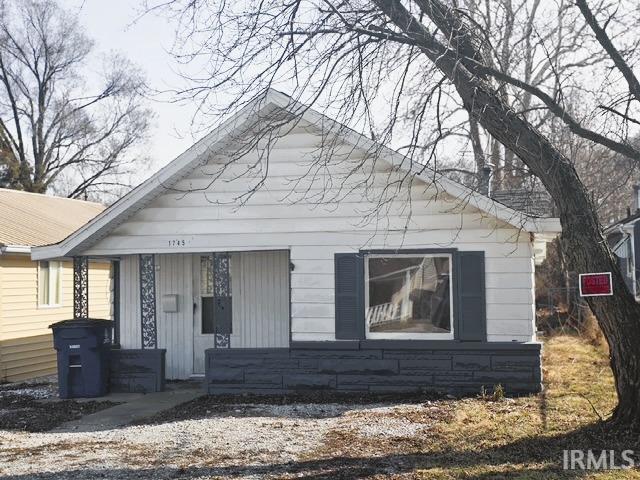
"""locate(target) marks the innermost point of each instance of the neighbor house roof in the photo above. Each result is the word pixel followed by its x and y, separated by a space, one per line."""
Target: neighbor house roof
pixel 532 202
pixel 627 220
pixel 33 219
pixel 272 105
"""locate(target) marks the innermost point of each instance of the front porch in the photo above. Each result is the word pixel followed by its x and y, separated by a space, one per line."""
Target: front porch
pixel 170 308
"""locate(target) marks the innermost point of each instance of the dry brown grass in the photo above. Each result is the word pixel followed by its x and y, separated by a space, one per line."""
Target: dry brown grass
pixel 592 333
pixel 510 438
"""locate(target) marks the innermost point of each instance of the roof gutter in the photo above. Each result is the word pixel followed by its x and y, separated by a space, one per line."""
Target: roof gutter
pixel 20 249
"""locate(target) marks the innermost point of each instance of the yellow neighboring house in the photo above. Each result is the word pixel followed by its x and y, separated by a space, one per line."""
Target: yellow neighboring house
pixel 33 294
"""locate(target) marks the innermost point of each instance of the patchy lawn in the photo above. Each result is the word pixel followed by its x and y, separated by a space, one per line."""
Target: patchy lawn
pixel 510 438
pixel 318 438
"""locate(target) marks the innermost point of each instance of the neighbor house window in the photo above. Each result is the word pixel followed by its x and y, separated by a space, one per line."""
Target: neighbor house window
pixel 630 259
pixel 49 283
pixel 408 296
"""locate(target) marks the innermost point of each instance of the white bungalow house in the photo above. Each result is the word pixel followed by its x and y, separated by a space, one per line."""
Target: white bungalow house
pixel 346 268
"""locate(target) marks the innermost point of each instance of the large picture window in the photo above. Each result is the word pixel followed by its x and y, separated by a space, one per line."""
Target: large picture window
pixel 49 284
pixel 408 296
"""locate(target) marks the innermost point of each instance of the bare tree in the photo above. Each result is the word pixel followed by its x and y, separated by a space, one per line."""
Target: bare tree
pixel 374 63
pixel 56 128
pixel 608 178
pixel 539 42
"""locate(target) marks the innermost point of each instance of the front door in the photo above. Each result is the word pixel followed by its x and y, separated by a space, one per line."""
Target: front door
pixel 212 315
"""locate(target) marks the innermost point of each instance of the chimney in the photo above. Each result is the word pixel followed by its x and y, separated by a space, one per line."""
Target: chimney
pixel 484 184
pixel 636 198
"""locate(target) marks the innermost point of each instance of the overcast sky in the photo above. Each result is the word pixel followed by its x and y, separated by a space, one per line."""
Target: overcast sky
pixel 113 26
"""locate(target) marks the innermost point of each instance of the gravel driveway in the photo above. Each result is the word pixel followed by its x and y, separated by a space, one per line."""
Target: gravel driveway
pixel 238 441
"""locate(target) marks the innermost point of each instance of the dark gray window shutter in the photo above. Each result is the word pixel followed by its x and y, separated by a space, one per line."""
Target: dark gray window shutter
pixel 471 307
pixel 349 296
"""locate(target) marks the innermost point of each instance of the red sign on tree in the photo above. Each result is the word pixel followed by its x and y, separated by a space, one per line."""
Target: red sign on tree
pixel 595 284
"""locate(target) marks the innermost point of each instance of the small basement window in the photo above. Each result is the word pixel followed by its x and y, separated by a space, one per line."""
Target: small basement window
pixel 409 296
pixel 49 284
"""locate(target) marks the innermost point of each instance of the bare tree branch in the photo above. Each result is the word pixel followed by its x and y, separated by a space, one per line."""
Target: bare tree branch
pixel 53 125
pixel 612 51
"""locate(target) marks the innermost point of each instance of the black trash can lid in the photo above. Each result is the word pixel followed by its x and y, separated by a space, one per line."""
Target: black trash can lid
pixel 82 322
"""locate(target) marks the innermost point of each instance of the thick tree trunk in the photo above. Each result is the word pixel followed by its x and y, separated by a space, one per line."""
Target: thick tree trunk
pixel 583 242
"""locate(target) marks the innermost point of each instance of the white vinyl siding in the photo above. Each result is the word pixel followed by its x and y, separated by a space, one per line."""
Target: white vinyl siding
pixel 174 276
pixel 317 218
pixel 260 296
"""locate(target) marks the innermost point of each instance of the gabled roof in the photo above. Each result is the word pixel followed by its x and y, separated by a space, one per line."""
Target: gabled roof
pixel 33 219
pixel 625 221
pixel 264 108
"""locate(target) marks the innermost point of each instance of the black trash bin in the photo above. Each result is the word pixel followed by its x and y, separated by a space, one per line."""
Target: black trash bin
pixel 83 347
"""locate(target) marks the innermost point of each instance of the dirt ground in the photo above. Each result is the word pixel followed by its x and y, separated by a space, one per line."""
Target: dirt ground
pixel 303 438
pixel 29 407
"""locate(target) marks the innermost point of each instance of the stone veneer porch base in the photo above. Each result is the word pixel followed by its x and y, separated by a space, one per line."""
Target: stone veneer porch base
pixel 137 370
pixel 376 366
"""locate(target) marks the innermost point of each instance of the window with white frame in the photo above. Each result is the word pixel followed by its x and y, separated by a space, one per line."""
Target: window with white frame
pixel 409 296
pixel 49 283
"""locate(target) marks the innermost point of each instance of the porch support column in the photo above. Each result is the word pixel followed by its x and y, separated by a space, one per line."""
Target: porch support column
pixel 80 287
pixel 222 299
pixel 148 301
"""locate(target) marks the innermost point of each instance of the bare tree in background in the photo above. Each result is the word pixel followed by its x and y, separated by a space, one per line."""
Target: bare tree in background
pixel 395 68
pixel 536 41
pixel 57 129
pixel 608 177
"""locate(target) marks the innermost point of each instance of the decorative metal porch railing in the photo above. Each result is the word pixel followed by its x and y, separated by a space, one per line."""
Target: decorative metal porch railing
pixel 80 287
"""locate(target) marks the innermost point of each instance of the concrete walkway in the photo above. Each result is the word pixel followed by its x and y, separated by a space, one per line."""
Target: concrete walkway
pixel 136 407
